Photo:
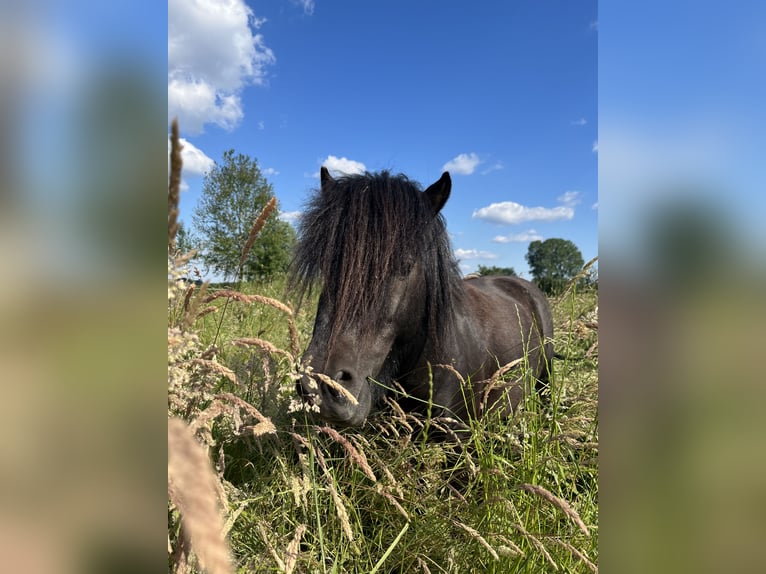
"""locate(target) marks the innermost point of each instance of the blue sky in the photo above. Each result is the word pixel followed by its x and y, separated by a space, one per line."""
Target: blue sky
pixel 502 94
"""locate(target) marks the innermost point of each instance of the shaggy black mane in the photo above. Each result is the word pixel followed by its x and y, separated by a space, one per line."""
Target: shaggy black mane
pixel 358 233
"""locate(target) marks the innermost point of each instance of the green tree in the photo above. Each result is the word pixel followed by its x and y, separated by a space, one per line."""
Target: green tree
pixel 494 270
pixel 553 263
pixel 183 239
pixel 234 192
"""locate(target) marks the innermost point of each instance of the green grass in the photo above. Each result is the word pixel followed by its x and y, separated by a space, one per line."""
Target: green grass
pixel 381 499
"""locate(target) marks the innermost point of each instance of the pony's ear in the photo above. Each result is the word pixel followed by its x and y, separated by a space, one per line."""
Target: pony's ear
pixel 438 192
pixel 325 178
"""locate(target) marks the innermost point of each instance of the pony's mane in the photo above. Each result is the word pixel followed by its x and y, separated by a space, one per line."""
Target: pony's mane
pixel 360 232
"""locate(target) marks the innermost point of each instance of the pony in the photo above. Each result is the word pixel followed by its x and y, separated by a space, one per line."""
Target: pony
pixel 395 311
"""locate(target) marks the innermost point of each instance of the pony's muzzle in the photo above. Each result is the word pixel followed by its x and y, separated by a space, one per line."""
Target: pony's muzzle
pixel 308 389
pixel 311 389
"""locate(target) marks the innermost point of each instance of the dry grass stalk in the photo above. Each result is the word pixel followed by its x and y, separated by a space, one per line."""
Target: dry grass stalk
pixel 243 405
pixel 584 559
pixel 493 382
pixel 227 403
pixel 273 303
pixel 269 301
pixel 291 558
pixel 191 313
pixel 537 544
pixel 300 487
pixel 446 428
pixel 260 221
pixel 206 311
pixel 475 534
pixel 337 387
pixel 559 503
pixel 288 565
pixel 399 415
pixel 295 345
pixel 418 420
pixel 212 411
pixel 452 370
pixel 266 368
pixel 356 455
pixel 210 352
pixel 509 548
pixel 386 428
pixel 301 440
pixel 174 185
pixel 381 490
pixel 260 429
pixel 263 344
pixel 422 564
pixel 277 558
pixel 577 277
pixel 242 297
pixel 502 371
pixel 383 466
pixel 214 367
pixel 233 517
pixel 340 508
pixel 188 295
pixel 182 259
pixel 192 487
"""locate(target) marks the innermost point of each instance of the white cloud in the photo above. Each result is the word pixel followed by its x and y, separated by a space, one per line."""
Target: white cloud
pixel 212 55
pixel 474 254
pixel 510 212
pixel 196 162
pixel 595 146
pixel 290 217
pixel 463 164
pixel 594 206
pixel 307 5
pixel 269 171
pixel 569 198
pixel 579 123
pixel 494 167
pixel 523 237
pixel 343 165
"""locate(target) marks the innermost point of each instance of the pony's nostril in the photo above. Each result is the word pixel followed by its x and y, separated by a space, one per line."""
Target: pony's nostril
pixel 340 377
pixel 343 376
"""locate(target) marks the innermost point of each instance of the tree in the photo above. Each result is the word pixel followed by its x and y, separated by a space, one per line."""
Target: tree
pixel 553 263
pixel 183 240
pixel 233 194
pixel 494 270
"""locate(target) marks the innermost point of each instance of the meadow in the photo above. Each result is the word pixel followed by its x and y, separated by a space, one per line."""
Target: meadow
pixel 514 495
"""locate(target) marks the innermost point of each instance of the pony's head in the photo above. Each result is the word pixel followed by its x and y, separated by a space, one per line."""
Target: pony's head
pixel 378 248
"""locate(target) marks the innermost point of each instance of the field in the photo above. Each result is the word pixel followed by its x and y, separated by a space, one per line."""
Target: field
pixel 516 495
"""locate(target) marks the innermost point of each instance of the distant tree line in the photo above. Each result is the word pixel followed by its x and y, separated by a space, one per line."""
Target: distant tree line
pixel 494 270
pixel 553 263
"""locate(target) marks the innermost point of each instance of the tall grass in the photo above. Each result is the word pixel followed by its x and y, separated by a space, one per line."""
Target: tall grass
pixel 508 495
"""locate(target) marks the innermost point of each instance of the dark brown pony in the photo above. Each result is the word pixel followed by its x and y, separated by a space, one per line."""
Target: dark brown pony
pixel 394 307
